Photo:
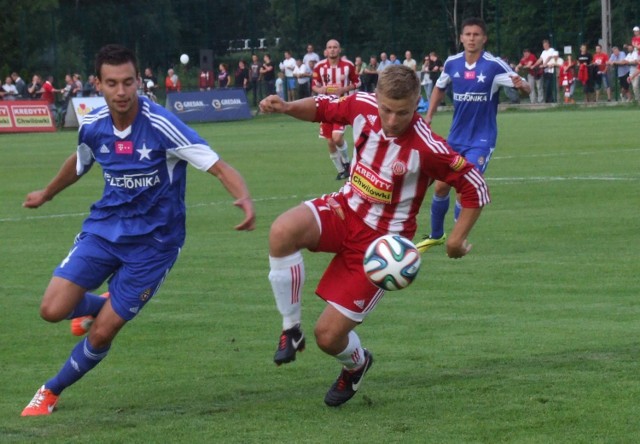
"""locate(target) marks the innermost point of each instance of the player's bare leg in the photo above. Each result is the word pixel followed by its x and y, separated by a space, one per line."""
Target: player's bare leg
pixel 335 336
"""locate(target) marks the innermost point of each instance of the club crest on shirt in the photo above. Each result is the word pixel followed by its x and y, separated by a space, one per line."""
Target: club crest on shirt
pixel 124 147
pixel 481 160
pixel 370 185
pixel 399 168
pixel 457 164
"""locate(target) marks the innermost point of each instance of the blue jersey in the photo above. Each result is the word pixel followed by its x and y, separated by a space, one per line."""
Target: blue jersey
pixel 144 170
pixel 475 99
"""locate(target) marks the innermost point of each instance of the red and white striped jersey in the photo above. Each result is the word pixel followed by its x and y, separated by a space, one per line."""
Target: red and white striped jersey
pixel 343 74
pixel 390 176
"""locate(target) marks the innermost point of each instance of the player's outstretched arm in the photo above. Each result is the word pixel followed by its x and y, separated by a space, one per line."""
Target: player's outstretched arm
pixel 236 186
pixel 303 109
pixel 65 177
pixel 437 96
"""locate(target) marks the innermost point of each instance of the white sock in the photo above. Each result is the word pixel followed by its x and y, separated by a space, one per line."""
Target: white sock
pixel 335 158
pixel 287 278
pixel 352 356
pixel 344 155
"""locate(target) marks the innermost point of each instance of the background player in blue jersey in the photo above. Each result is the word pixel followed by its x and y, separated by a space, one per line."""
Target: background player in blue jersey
pixel 134 233
pixel 476 77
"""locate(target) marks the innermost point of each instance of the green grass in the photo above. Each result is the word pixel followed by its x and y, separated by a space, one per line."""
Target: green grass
pixel 532 338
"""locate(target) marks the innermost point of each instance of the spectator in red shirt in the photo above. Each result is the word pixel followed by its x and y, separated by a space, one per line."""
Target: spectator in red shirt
pixel 600 59
pixel 172 82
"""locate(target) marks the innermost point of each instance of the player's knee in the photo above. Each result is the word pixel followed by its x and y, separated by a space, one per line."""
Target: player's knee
pixel 326 340
pixel 50 313
pixel 100 336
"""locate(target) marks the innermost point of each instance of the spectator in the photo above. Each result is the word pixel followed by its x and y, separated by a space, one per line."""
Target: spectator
pixel 172 82
pixel 76 91
pixel 48 93
pixel 89 88
pixel 435 68
pixel 394 60
pixel 9 89
pixel 409 61
pixel 206 80
pixel 241 76
pixel 310 55
pixel 360 66
pixel 617 60
pixel 66 90
pixel 21 86
pixel 585 61
pixel 149 83
pixel 426 81
pixel 600 60
pixel 549 71
pixel 635 40
pixel 280 85
pixel 255 78
pixel 268 73
pixel 384 61
pixel 533 75
pixel 632 59
pixel 223 75
pixel 287 66
pixel 566 78
pixel 33 88
pixel 303 74
pixel 371 72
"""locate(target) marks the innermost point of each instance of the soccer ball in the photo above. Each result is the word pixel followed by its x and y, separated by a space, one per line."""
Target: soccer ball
pixel 184 59
pixel 391 262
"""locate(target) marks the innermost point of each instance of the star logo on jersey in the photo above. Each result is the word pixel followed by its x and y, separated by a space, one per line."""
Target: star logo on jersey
pixel 481 78
pixel 144 152
pixel 372 119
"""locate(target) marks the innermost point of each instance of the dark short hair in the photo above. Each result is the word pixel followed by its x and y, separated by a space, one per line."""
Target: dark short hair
pixel 474 21
pixel 114 55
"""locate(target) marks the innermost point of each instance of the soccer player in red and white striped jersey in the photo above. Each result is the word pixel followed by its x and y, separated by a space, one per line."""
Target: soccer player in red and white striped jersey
pixel 396 158
pixel 337 76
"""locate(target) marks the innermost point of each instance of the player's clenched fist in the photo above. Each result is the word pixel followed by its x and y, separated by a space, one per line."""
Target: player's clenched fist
pixel 272 104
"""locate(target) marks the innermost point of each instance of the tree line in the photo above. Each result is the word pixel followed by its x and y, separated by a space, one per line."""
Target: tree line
pixel 60 36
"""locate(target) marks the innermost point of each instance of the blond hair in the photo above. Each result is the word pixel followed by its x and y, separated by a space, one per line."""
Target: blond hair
pixel 398 82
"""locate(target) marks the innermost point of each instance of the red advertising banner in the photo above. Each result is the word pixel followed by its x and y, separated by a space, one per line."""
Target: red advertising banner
pixel 25 116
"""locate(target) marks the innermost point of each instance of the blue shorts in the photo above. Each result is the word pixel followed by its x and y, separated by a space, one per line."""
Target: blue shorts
pixel 479 157
pixel 135 271
pixel 291 83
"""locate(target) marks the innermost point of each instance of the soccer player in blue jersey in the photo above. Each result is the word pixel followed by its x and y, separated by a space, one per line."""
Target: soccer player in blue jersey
pixel 134 233
pixel 476 77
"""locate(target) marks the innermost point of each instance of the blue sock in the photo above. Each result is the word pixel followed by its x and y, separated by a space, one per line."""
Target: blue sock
pixel 456 211
pixel 82 359
pixel 439 208
pixel 91 304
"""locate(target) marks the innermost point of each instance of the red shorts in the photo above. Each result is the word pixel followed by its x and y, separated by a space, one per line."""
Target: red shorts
pixel 344 283
pixel 326 129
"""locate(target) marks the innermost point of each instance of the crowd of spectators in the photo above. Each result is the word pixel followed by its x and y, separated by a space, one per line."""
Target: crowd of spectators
pixel 550 75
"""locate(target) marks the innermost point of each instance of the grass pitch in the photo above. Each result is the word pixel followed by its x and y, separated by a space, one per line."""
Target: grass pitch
pixel 532 338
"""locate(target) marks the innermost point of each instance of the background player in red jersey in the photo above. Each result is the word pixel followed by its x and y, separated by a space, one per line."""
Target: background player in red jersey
pixel 396 158
pixel 336 76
